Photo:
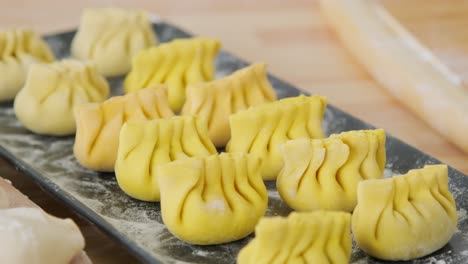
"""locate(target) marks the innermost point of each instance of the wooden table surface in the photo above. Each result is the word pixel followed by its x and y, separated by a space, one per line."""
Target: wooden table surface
pixel 292 38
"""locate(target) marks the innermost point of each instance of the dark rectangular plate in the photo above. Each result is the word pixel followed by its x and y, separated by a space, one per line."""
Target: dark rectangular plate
pixel 138 225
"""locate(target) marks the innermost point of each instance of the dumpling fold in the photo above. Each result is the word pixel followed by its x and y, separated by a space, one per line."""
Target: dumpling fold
pixel 178 63
pixel 110 37
pixel 407 216
pixel 302 238
pixel 19 49
pixel 218 99
pixel 261 129
pixel 325 173
pixel 145 145
pixel 212 200
pixel 98 125
pixel 46 103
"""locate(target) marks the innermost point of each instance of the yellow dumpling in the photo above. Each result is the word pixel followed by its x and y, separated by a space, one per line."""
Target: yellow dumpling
pixel 45 104
pixel 178 63
pixel 145 145
pixel 407 216
pixel 110 37
pixel 261 129
pixel 19 48
pixel 324 173
pixel 303 238
pixel 216 100
pixel 212 200
pixel 98 125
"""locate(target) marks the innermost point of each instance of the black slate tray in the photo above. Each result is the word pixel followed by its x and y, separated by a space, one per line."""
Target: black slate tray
pixel 138 225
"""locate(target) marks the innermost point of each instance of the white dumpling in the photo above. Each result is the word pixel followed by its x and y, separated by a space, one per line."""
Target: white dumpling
pixel 19 49
pixel 30 236
pixel 45 105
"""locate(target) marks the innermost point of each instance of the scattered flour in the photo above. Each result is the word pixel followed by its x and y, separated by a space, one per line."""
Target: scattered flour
pixel 462 215
pixel 273 194
pixel 201 253
pixel 216 205
pixel 389 173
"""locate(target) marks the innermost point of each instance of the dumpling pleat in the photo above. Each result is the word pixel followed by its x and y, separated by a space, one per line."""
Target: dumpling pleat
pixel 287 122
pixel 296 130
pixel 410 198
pixel 146 104
pixel 51 93
pixel 446 202
pixel 141 111
pixel 132 145
pixel 358 145
pixel 228 95
pixel 178 63
pixel 176 78
pixel 210 53
pixel 94 126
pixel 223 199
pixel 369 165
pixel 253 165
pixel 194 71
pixel 262 128
pixel 239 94
pixel 413 218
pixel 334 169
pixel 242 183
pixel 315 117
pixel 262 80
pixel 226 179
pixel 152 165
pixel 315 237
pixel 110 37
pixel 170 140
pixel 202 133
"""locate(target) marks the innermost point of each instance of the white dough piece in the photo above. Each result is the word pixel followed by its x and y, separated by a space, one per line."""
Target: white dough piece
pixel 30 236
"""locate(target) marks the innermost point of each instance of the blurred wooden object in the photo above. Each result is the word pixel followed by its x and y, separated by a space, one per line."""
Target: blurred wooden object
pixel 293 39
pixel 408 70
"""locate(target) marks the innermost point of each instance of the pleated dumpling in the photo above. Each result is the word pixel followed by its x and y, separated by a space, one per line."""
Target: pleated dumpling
pixel 407 216
pixel 110 37
pixel 19 48
pixel 144 145
pixel 178 63
pixel 303 238
pixel 218 99
pixel 212 200
pixel 98 125
pixel 28 235
pixel 261 129
pixel 46 103
pixel 324 173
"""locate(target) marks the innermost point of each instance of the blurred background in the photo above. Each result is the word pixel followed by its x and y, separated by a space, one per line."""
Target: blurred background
pixel 292 37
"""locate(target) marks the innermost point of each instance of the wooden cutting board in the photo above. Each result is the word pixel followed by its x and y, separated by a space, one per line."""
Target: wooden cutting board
pixel 292 38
